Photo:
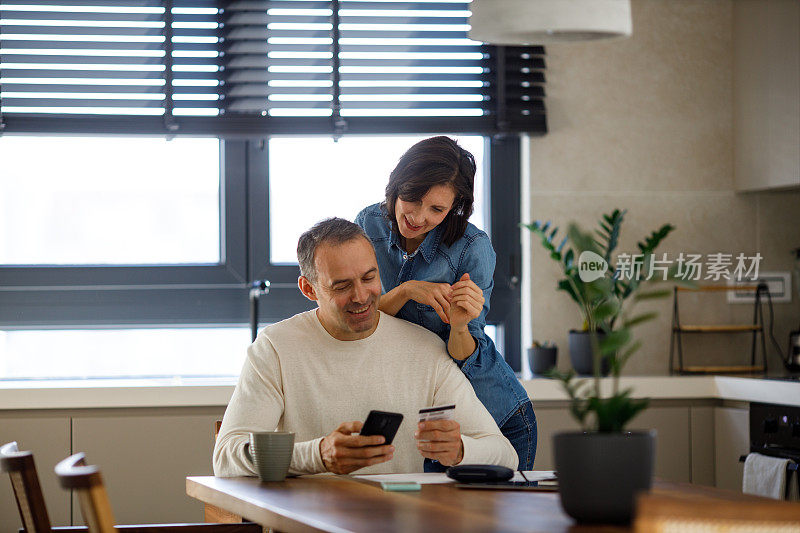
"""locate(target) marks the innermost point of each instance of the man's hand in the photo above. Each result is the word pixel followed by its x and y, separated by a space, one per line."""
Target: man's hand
pixel 440 440
pixel 342 452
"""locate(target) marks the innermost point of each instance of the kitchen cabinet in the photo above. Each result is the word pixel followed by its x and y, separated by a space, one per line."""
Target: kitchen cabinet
pixel 766 94
pixel 672 440
pixel 731 441
pixel 136 449
pixel 702 442
pixel 47 436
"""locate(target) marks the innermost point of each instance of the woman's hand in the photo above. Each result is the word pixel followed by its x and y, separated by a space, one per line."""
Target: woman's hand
pixel 437 295
pixel 466 303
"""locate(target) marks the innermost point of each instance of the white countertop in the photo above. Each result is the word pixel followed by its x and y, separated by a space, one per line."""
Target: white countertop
pixel 189 392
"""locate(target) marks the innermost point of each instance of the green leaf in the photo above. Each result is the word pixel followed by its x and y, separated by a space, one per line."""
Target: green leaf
pixel 654 239
pixel 606 309
pixel 614 341
pixel 565 286
pixel 569 257
pixel 582 241
pixel 615 412
pixel 612 228
pixel 638 319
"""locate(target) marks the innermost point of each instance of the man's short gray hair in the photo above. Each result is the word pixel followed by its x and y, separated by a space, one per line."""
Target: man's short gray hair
pixel 331 231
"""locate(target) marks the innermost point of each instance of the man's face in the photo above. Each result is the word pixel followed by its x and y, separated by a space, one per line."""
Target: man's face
pixel 347 289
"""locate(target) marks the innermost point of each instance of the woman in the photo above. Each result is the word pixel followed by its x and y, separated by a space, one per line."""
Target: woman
pixel 436 270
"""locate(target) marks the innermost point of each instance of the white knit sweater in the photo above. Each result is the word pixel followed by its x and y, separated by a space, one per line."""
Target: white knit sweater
pixel 298 378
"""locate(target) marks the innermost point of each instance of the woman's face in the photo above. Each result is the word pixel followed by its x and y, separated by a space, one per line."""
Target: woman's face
pixel 416 219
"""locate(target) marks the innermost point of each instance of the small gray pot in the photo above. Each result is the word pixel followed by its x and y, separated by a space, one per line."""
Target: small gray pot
pixel 542 359
pixel 599 474
pixel 580 353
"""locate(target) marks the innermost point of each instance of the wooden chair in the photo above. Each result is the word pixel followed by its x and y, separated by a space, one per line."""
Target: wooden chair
pixel 33 511
pixel 212 512
pixel 27 491
pixel 86 480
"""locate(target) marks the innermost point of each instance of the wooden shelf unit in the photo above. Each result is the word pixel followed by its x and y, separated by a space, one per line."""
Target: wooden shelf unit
pixel 756 328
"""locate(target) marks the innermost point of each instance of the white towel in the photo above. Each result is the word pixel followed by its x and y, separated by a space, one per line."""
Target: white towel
pixel 765 476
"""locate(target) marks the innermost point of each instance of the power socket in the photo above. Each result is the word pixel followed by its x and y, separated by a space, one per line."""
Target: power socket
pixel 779 285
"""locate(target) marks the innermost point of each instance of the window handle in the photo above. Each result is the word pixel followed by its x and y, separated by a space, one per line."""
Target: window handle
pixel 257 289
pixel 513 278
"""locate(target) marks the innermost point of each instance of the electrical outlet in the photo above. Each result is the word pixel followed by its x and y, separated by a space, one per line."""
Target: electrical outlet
pixel 779 285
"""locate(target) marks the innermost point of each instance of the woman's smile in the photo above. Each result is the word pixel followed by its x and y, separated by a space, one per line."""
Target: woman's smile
pixel 416 218
pixel 411 226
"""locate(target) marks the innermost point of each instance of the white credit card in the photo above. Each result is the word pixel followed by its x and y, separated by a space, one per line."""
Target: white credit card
pixel 442 412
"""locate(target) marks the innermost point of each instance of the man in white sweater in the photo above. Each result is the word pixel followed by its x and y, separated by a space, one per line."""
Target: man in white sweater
pixel 319 373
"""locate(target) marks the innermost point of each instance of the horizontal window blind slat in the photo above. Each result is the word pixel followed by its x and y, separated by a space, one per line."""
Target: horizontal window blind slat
pixel 11 46
pixel 405 6
pixel 44 74
pixel 75 102
pixel 399 33
pixel 237 126
pixel 78 30
pixel 78 89
pixel 11 17
pixel 353 21
pixel 112 4
pixel 84 60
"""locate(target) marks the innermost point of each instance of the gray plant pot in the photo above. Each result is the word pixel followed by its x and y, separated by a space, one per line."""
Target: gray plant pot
pixel 580 353
pixel 542 359
pixel 600 474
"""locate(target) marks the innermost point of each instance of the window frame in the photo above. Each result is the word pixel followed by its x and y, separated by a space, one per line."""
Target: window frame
pixel 49 297
pixel 53 296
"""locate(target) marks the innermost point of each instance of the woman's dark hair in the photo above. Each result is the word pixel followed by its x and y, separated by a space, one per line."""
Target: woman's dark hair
pixel 434 161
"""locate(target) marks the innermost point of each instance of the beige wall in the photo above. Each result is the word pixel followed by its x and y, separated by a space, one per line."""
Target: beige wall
pixel 646 124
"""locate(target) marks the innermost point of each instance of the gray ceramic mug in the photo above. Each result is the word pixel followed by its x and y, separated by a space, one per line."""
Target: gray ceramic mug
pixel 271 452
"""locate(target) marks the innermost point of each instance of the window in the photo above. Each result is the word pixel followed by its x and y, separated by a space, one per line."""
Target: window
pixel 345 175
pixel 177 194
pixel 123 353
pixel 109 201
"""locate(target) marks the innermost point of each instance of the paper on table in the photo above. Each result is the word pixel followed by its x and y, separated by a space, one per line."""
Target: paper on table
pixel 432 478
pixel 534 475
pixel 421 478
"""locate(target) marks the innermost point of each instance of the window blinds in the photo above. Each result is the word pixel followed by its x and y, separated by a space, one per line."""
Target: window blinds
pixel 238 68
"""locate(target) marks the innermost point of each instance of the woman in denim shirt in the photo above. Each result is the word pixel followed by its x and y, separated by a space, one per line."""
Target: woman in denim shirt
pixel 436 270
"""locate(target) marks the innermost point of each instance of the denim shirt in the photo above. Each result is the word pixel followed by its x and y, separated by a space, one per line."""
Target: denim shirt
pixel 492 379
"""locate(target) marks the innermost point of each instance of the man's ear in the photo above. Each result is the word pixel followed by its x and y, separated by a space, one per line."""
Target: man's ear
pixel 307 288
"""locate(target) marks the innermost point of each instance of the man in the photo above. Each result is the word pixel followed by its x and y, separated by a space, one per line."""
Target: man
pixel 319 373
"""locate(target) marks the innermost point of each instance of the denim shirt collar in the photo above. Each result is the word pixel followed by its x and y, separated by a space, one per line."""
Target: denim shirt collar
pixel 428 247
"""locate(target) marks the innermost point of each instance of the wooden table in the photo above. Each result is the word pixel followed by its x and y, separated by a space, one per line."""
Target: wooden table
pixel 342 504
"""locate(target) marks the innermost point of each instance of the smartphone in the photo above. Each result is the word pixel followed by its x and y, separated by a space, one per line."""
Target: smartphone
pixel 382 423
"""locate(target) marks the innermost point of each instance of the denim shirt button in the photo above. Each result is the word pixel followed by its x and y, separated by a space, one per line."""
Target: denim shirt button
pixel 405 257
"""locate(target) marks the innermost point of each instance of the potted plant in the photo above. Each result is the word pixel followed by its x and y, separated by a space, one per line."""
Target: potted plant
pixel 542 357
pixel 601 468
pixel 599 310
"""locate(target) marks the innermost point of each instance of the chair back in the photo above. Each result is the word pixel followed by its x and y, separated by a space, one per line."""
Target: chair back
pixel 27 491
pixel 213 513
pixel 73 473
